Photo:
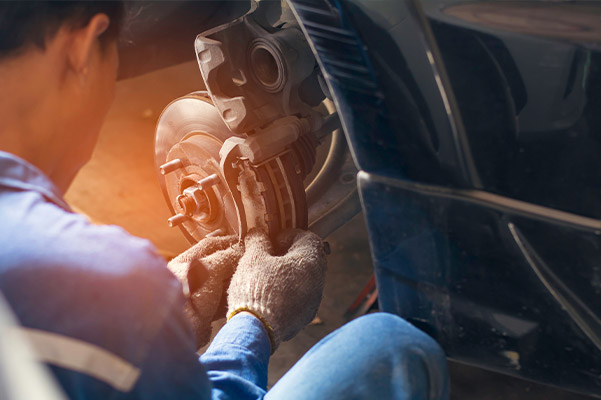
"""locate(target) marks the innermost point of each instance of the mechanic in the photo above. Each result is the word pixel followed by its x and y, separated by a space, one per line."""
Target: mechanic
pixel 102 309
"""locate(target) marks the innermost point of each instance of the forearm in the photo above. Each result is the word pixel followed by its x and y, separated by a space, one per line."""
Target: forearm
pixel 236 361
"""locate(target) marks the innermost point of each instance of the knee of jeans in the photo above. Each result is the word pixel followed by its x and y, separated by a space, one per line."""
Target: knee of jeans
pixel 394 335
pixel 405 348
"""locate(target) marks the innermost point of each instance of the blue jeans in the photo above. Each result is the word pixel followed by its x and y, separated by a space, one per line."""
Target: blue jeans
pixel 378 356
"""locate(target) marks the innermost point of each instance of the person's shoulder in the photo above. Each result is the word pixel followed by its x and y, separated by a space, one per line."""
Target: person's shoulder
pixel 48 234
pixel 107 247
pixel 48 241
pixel 64 274
pixel 110 253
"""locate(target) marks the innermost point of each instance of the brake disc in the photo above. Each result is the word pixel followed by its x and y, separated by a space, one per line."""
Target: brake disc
pixel 235 157
pixel 204 200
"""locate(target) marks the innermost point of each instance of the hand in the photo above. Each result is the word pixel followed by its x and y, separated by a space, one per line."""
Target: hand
pixel 284 288
pixel 204 270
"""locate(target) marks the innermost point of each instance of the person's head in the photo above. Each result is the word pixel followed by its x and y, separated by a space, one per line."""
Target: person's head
pixel 58 65
pixel 25 24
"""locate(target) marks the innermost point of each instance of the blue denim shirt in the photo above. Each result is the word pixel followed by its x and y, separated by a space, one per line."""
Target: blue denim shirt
pixel 101 308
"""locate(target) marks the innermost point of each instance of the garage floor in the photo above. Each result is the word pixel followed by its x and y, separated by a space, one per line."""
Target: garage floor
pixel 119 186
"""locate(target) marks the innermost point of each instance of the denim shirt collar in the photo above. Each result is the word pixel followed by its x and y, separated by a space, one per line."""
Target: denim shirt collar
pixel 17 173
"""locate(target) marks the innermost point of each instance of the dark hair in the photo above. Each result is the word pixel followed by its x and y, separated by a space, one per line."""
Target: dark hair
pixel 25 23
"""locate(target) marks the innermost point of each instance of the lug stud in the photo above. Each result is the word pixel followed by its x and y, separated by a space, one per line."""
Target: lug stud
pixel 209 181
pixel 176 220
pixel 171 166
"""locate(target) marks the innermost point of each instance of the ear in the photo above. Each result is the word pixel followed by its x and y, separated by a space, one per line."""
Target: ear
pixel 83 42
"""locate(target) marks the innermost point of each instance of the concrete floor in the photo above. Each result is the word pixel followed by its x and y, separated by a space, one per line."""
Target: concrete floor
pixel 119 186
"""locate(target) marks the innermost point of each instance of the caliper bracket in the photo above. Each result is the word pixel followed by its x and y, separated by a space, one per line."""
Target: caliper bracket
pixel 256 152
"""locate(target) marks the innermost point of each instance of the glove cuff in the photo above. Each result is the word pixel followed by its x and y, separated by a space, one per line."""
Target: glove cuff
pixel 268 328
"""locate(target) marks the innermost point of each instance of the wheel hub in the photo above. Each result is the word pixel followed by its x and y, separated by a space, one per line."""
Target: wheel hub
pixel 206 200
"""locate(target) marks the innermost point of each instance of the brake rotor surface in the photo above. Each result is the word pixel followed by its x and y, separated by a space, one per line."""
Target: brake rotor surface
pixel 191 130
pixel 189 136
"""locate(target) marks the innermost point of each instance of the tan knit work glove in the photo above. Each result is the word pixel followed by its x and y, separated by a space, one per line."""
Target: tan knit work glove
pixel 282 287
pixel 204 270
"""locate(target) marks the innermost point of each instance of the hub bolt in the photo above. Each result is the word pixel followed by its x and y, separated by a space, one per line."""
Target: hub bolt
pixel 194 199
pixel 176 220
pixel 187 204
pixel 171 166
pixel 209 181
